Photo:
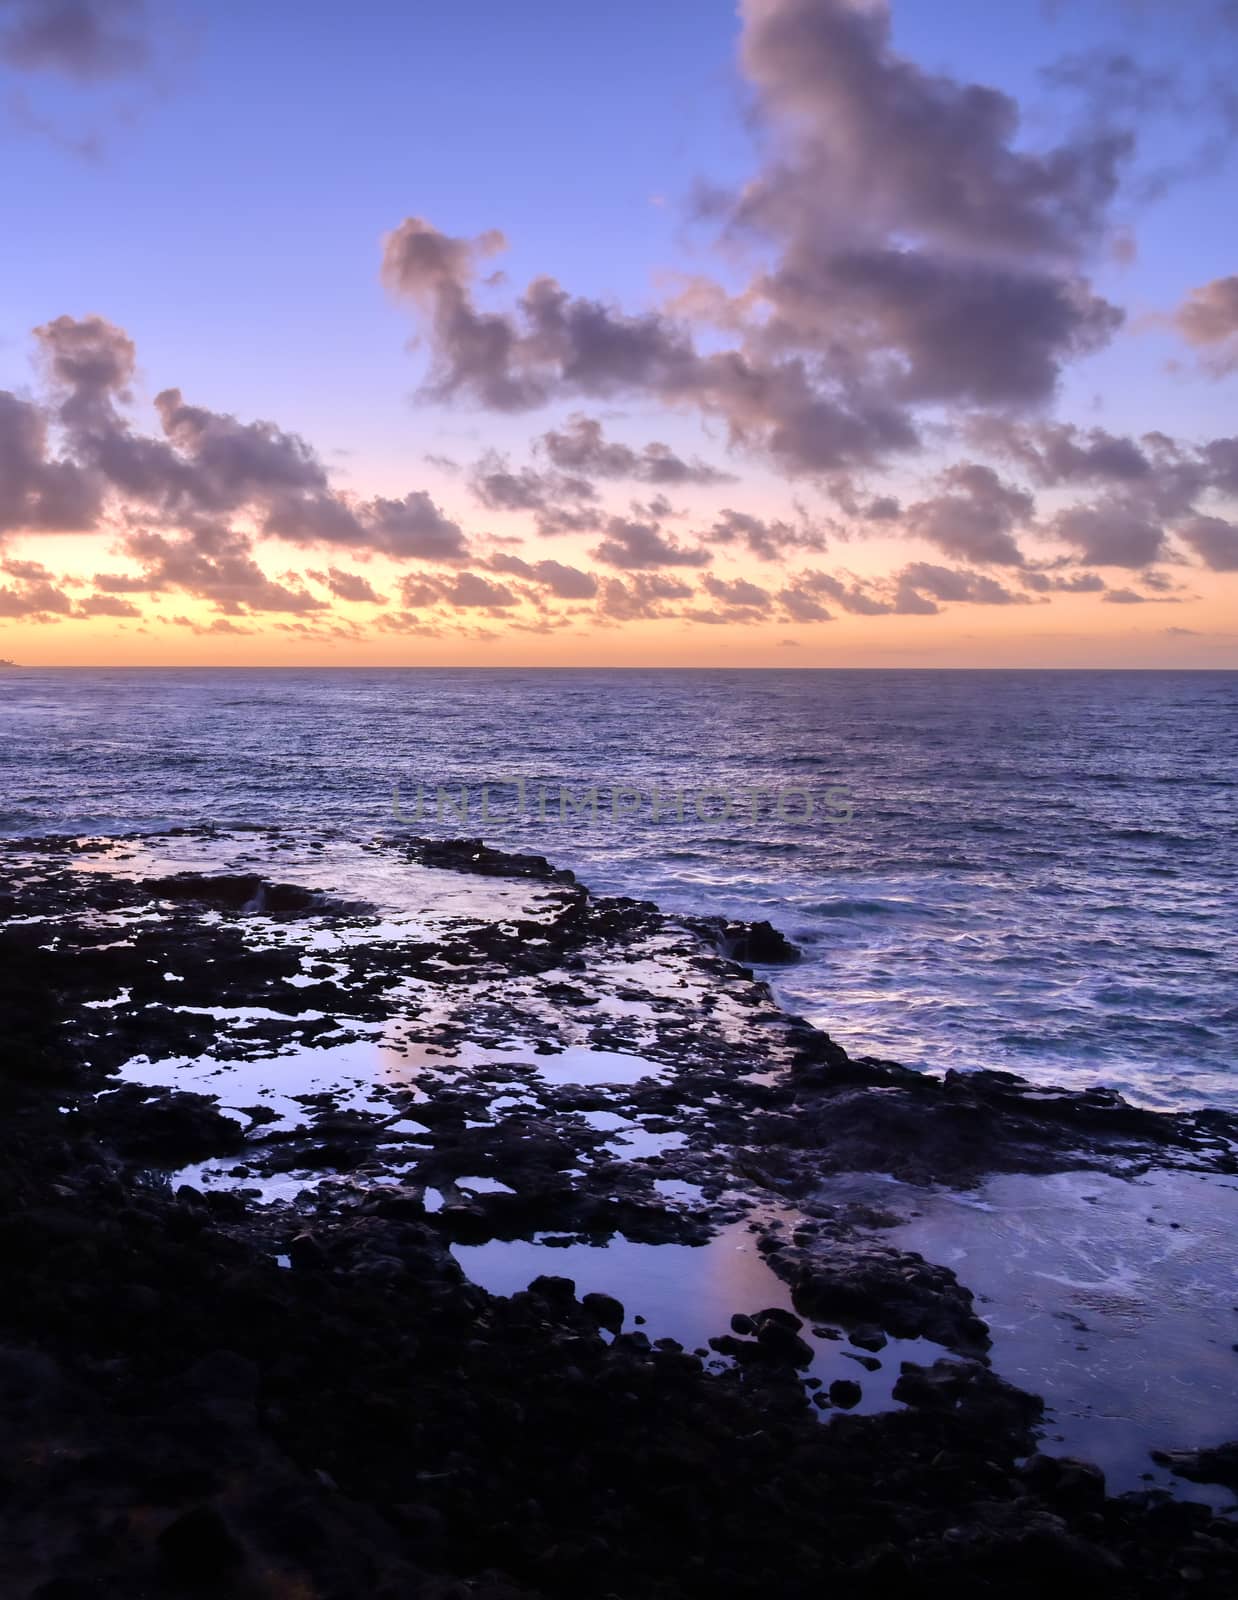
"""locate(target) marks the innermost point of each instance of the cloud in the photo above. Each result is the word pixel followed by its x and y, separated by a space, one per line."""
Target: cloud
pixel 39 492
pixel 934 328
pixel 850 595
pixel 916 251
pixel 34 593
pixel 1131 597
pixel 83 39
pixel 736 591
pixel 1062 582
pixel 924 251
pixel 413 528
pixel 1214 541
pixel 566 583
pixel 640 597
pixel 469 589
pixel 106 605
pixel 953 583
pixel 509 362
pixel 206 466
pixel 554 345
pixel 767 540
pixel 975 518
pixel 353 587
pixel 867 135
pixel 560 502
pixel 1059 452
pixel 1220 458
pixel 581 446
pixel 1110 533
pixel 800 598
pixel 237 462
pixel 214 563
pixel 641 546
pixel 1208 319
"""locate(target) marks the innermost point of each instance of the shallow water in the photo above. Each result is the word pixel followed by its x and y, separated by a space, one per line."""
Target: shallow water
pixel 1114 1299
pixel 1038 875
pixel 689 1293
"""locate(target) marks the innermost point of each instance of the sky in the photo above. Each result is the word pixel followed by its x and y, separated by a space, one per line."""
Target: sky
pixel 803 333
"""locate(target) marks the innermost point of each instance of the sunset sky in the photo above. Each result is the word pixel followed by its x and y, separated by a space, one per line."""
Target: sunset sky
pixel 812 333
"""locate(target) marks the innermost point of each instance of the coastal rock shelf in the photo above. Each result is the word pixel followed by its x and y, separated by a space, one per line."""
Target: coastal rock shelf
pixel 397 1214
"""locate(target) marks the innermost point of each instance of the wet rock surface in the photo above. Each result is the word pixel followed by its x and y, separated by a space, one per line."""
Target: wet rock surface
pixel 247 1111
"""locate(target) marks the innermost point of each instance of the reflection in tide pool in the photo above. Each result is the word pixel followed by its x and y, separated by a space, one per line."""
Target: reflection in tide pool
pixel 689 1293
pixel 1113 1298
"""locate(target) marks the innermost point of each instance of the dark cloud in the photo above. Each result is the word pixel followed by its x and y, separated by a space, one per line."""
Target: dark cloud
pixel 352 586
pixel 642 546
pixel 560 502
pixel 1062 582
pixel 581 446
pixel 850 595
pixel 801 598
pixel 84 39
pixel 1214 541
pixel 1059 452
pixel 867 139
pixel 922 253
pixel 90 364
pixel 39 492
pixel 641 596
pixel 1131 597
pixel 33 593
pixel 1220 458
pixel 953 583
pixel 909 602
pixel 216 564
pixel 469 589
pixel 1110 533
pixel 450 591
pixel 207 465
pixel 515 363
pixel 934 328
pixel 413 528
pixel 975 518
pixel 237 462
pixel 736 591
pixel 566 583
pixel 553 345
pixel 767 540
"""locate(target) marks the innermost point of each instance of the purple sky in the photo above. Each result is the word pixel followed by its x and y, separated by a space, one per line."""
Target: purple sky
pixel 821 331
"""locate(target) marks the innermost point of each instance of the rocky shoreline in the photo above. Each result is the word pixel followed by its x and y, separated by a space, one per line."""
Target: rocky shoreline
pixel 239 1352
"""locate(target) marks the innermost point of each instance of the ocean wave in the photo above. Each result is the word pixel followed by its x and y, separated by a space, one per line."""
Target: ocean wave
pixel 866 908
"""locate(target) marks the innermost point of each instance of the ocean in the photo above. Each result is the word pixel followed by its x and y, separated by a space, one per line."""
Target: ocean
pixel 1026 870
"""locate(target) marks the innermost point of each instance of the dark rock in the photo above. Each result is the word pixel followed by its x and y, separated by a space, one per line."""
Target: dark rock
pixel 1216 1465
pixel 605 1310
pixel 1063 1481
pixel 561 1291
pixel 780 1344
pixel 199 1547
